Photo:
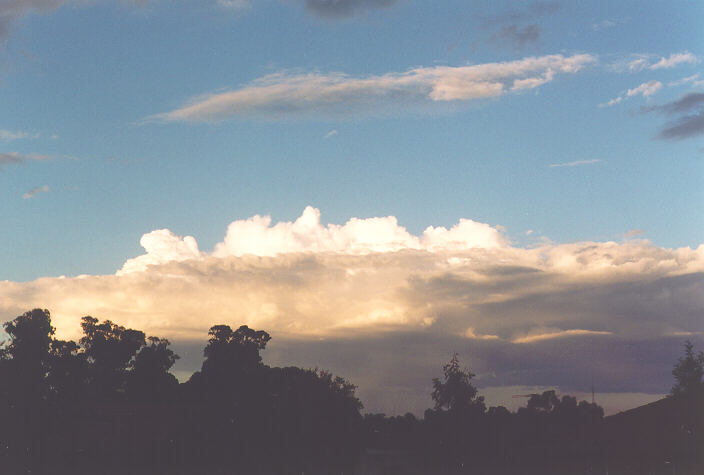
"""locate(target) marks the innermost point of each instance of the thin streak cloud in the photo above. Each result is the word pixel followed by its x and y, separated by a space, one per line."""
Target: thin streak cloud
pixel 10 158
pixel 576 163
pixel 675 59
pixel 651 62
pixel 35 191
pixel 557 334
pixel 9 135
pixel 282 95
pixel 646 90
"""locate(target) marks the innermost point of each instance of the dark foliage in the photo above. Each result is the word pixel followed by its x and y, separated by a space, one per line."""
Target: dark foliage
pixel 689 372
pixel 108 404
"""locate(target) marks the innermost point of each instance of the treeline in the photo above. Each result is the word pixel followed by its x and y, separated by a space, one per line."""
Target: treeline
pixel 460 434
pixel 108 404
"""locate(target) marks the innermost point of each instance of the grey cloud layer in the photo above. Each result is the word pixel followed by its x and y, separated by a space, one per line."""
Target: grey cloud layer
pixel 10 10
pixel 514 31
pixel 13 9
pixel 337 9
pixel 690 123
pixel 519 36
pixel 282 95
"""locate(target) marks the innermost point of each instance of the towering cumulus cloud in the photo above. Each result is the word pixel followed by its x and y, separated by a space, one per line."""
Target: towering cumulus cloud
pixel 393 293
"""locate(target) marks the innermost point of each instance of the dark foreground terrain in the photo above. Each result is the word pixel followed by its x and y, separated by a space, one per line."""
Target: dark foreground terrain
pixel 108 405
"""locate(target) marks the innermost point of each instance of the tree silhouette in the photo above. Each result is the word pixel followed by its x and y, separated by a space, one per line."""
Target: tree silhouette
pixel 688 372
pixel 109 349
pixel 454 425
pixel 149 379
pixel 30 338
pixel 229 350
pixel 456 393
pixel 24 365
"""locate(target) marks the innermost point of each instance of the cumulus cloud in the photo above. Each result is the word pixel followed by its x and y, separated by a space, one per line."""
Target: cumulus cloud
pixel 340 9
pixel 162 246
pixel 256 236
pixel 35 191
pixel 337 295
pixel 303 277
pixel 283 95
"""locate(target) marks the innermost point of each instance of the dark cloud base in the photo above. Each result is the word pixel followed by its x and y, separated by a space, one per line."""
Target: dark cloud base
pixel 393 372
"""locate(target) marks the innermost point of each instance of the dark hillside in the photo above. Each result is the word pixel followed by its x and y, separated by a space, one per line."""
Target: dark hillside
pixel 666 434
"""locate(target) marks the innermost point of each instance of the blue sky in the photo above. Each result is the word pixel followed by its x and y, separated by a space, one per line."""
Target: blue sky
pixel 552 122
pixel 89 74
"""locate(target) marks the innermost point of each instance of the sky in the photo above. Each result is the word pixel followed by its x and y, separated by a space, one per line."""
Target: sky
pixel 377 183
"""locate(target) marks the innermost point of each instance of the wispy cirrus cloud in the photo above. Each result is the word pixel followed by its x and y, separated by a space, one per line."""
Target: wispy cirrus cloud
pixel 604 24
pixel 283 95
pixel 575 163
pixel 639 62
pixel 9 158
pixel 9 135
pixel 673 60
pixel 646 90
pixel 235 4
pixel 692 80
